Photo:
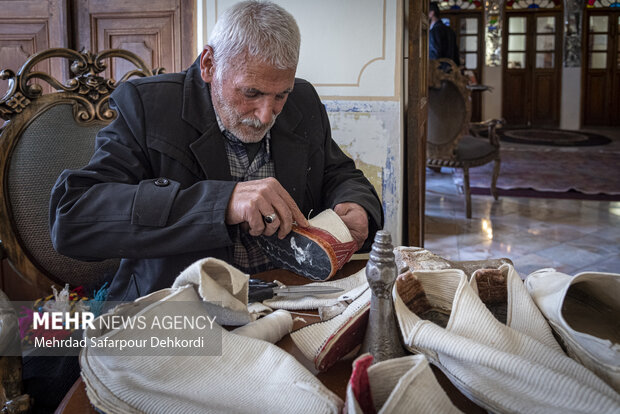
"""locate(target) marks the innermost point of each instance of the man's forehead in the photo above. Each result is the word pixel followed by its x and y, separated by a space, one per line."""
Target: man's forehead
pixel 264 79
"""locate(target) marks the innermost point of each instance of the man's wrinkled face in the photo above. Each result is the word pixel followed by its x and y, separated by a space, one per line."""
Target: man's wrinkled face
pixel 249 96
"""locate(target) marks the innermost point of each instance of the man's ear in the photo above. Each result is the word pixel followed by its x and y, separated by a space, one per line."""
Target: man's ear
pixel 207 66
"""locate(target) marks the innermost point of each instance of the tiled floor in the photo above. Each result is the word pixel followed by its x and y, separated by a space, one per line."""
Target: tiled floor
pixel 569 235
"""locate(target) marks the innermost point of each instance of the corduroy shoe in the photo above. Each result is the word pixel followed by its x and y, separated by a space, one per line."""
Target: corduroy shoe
pixel 583 310
pixel 503 367
pixel 327 342
pixel 247 375
pixel 316 252
pixel 399 385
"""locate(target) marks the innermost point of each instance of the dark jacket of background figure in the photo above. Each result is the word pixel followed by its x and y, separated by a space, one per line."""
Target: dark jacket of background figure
pixel 443 43
pixel 120 206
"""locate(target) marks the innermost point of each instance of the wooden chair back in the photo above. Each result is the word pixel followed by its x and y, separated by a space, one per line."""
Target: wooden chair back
pixel 43 134
pixel 449 109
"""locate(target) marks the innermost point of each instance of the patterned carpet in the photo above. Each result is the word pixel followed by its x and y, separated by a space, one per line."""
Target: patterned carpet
pixel 553 137
pixel 596 171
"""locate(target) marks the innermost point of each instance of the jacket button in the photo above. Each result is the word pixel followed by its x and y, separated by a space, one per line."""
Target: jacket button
pixel 161 182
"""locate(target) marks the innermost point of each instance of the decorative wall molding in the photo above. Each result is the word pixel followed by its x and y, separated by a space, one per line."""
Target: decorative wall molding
pixel 349 50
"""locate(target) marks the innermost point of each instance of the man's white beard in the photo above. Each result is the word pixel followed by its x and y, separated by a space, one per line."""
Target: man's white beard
pixel 228 114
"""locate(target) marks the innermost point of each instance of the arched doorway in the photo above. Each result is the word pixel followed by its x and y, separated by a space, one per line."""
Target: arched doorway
pixel 601 102
pixel 532 58
pixel 466 18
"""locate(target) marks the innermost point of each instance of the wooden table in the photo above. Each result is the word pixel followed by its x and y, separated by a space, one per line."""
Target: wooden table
pixel 336 378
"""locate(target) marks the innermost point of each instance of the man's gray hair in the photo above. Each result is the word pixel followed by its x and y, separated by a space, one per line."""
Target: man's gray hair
pixel 256 29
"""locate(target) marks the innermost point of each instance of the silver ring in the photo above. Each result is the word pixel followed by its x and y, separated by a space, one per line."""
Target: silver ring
pixel 270 218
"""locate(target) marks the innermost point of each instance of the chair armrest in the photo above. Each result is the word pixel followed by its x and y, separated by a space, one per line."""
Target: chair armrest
pixel 490 126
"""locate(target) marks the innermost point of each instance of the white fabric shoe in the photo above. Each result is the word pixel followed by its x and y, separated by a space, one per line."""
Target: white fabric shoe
pixel 327 342
pixel 401 385
pixel 499 366
pixel 503 293
pixel 249 376
pixel 419 259
pixel 585 312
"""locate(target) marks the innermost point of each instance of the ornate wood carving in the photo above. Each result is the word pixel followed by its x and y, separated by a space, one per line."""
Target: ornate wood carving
pixel 88 92
pixel 165 29
pixel 28 27
pixel 90 88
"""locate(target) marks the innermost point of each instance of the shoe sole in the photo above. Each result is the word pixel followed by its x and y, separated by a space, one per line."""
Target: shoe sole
pixel 301 252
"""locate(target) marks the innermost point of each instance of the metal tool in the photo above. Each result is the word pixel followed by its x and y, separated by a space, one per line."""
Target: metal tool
pixel 382 339
pixel 261 290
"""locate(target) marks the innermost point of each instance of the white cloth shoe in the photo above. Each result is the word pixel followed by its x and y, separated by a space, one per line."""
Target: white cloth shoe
pixel 505 368
pixel 584 310
pixel 401 385
pixel 327 342
pixel 249 376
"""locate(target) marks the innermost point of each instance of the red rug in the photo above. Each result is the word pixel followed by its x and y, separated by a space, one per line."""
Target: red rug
pixel 552 172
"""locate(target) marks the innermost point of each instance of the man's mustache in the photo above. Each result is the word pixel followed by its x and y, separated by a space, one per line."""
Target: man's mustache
pixel 257 124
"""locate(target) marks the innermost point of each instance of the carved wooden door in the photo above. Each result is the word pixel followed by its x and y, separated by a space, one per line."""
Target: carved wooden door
pixel 416 123
pixel 28 27
pixel 470 37
pixel 159 31
pixel 601 103
pixel 532 68
pixel 162 33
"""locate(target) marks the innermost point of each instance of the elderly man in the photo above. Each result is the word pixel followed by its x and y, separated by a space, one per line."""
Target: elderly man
pixel 195 161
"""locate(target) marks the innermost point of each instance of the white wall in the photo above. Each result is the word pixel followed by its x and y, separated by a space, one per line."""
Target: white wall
pixel 570 106
pixel 351 51
pixel 492 100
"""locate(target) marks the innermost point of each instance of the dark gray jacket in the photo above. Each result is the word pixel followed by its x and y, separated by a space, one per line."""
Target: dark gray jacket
pixel 442 43
pixel 156 190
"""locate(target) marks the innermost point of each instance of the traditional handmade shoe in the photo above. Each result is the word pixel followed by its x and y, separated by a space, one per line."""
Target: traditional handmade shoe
pixel 327 342
pixel 247 375
pixel 417 258
pixel 399 385
pixel 316 252
pixel 500 366
pixel 503 293
pixel 584 312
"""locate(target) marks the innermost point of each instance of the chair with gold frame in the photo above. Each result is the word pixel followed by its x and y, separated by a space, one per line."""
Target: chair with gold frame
pixel 453 140
pixel 43 134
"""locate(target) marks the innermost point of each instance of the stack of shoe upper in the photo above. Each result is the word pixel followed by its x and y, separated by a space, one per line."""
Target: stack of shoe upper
pixel 489 338
pixel 250 375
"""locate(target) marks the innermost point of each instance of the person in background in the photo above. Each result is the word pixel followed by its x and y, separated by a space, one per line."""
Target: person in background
pixel 442 43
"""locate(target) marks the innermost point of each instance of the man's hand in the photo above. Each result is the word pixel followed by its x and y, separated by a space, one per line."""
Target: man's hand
pixel 356 219
pixel 251 200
